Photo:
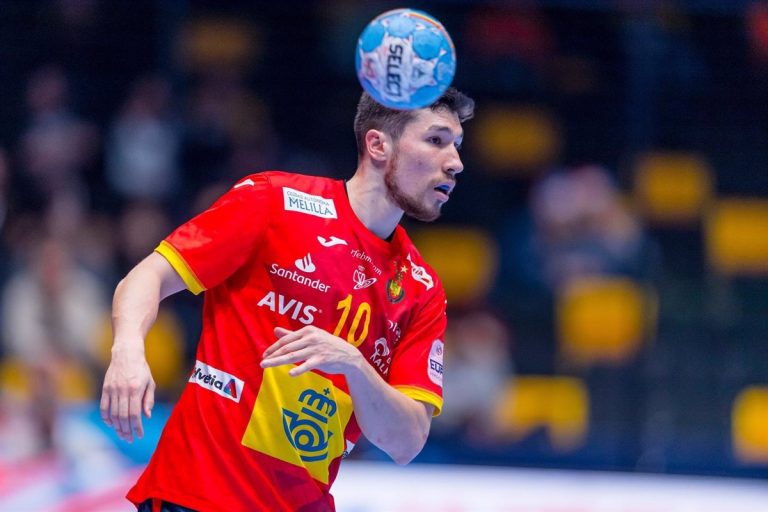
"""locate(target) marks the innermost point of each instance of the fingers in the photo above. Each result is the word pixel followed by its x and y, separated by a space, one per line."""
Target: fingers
pixel 134 414
pixel 281 331
pixel 123 419
pixel 121 409
pixel 304 367
pixel 149 399
pixel 289 347
pixel 114 413
pixel 104 407
pixel 291 357
pixel 284 336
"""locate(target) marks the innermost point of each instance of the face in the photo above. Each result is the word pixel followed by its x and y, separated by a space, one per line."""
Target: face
pixel 421 173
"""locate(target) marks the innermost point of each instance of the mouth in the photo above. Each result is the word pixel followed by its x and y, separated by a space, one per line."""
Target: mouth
pixel 445 189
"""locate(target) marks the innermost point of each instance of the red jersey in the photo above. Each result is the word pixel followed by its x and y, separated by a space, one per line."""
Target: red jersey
pixel 287 250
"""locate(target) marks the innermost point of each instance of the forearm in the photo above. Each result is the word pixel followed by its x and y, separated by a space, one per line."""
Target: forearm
pixel 393 422
pixel 134 309
pixel 137 299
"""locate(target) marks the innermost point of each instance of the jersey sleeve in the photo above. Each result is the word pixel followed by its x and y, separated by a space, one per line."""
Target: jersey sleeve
pixel 417 363
pixel 213 245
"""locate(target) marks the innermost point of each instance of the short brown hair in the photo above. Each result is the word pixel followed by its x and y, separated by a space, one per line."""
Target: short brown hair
pixel 372 115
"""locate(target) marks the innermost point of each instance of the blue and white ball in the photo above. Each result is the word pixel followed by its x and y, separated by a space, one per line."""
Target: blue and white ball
pixel 405 59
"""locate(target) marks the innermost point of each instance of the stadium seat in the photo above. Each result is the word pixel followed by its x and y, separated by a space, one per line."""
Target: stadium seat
pixel 466 260
pixel 219 42
pixel 749 421
pixel 72 380
pixel 164 351
pixel 603 320
pixel 15 378
pixel 737 237
pixel 515 141
pixel 557 404
pixel 672 189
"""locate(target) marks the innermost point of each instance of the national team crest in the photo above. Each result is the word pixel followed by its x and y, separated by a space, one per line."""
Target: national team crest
pixel 395 290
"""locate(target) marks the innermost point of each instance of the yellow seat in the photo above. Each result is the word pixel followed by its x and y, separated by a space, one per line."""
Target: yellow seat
pixel 219 42
pixel 602 320
pixel 737 237
pixel 74 381
pixel 515 140
pixel 164 350
pixel 559 405
pixel 673 188
pixel 70 380
pixel 749 425
pixel 465 259
pixel 15 378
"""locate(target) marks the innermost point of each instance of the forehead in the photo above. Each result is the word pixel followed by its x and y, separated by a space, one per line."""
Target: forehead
pixel 443 119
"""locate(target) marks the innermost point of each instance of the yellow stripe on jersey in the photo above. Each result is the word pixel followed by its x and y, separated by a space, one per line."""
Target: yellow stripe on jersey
pixel 422 395
pixel 180 265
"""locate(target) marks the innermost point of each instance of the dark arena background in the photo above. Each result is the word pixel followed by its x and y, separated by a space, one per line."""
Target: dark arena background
pixel 605 254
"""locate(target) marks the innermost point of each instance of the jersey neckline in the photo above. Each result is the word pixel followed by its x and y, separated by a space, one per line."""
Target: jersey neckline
pixel 385 245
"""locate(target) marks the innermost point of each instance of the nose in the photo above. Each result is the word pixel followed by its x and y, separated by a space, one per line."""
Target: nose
pixel 454 164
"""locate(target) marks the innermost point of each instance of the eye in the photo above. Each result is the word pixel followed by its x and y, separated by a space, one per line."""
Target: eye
pixel 436 140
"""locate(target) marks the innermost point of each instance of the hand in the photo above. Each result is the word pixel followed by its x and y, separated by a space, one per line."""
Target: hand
pixel 318 349
pixel 128 389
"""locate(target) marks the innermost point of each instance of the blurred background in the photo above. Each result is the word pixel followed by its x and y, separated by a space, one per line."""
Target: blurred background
pixel 605 255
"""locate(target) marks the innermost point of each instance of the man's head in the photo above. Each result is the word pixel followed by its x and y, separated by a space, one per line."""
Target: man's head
pixel 373 115
pixel 417 151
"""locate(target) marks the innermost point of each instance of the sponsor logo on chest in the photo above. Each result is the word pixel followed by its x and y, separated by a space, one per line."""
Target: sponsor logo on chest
pixel 305 265
pixel 282 305
pixel 317 206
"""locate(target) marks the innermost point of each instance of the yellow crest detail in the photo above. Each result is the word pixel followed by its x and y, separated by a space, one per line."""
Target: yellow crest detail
pixel 299 420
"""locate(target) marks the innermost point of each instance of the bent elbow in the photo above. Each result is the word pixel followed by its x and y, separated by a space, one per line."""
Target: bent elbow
pixel 404 459
pixel 407 452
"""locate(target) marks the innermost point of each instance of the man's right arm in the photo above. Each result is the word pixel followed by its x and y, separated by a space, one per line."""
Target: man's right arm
pixel 128 385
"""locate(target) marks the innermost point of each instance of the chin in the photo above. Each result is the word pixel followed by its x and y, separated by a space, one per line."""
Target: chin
pixel 424 214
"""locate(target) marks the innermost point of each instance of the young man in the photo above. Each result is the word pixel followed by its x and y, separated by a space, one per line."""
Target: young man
pixel 321 322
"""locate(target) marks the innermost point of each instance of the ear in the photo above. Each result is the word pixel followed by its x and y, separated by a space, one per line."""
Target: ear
pixel 378 145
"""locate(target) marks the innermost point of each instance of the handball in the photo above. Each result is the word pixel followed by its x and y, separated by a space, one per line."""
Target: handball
pixel 405 59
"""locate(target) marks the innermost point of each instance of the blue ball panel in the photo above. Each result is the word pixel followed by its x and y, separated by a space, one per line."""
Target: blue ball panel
pixel 400 26
pixel 427 43
pixel 371 37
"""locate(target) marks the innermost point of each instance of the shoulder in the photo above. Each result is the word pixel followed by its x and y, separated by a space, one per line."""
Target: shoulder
pixel 301 182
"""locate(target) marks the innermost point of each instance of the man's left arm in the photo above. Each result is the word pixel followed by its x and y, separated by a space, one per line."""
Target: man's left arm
pixel 394 422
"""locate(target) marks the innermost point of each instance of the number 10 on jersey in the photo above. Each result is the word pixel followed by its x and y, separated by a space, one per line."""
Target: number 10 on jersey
pixel 358 330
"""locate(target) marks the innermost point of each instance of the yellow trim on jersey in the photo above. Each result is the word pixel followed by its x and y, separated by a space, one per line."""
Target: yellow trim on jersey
pixel 422 395
pixel 170 253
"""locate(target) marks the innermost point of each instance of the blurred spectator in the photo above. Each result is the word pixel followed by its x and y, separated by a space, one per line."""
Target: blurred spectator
pixel 50 313
pixel 51 307
pixel 757 31
pixel 478 357
pixel 579 226
pixel 57 144
pixel 144 143
pixel 141 227
pixel 5 176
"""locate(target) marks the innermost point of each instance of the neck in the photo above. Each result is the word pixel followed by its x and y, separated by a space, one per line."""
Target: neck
pixel 370 202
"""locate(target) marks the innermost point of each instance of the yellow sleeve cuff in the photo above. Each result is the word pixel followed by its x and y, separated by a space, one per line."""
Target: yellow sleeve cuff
pixel 422 395
pixel 178 263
